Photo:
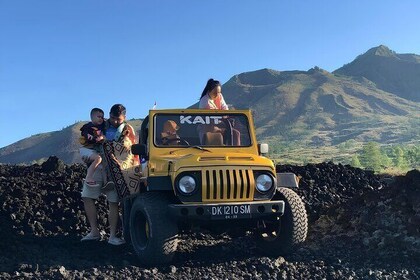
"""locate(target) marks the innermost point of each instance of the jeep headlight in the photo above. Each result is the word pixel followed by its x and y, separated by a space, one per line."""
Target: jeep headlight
pixel 264 183
pixel 186 184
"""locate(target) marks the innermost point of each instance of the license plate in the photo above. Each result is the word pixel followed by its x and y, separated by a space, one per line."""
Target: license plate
pixel 226 212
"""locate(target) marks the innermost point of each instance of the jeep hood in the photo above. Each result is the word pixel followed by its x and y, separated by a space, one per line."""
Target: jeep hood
pixel 192 161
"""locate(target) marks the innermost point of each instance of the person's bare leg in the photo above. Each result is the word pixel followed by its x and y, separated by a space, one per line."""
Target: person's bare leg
pixel 97 159
pixel 90 209
pixel 236 137
pixel 113 218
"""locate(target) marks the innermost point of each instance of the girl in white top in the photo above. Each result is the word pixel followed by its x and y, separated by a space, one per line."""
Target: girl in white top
pixel 212 97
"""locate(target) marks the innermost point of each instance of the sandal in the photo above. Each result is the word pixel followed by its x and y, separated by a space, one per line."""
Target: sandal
pixel 90 237
pixel 116 241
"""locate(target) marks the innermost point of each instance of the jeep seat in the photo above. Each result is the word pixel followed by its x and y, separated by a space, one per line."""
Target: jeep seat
pixel 213 139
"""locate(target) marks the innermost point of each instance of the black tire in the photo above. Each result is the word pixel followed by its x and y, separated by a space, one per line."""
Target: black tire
pixel 282 236
pixel 154 235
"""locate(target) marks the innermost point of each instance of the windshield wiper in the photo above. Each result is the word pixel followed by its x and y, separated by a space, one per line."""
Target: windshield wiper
pixel 195 147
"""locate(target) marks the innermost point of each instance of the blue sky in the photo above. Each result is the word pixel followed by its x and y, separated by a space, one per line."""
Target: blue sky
pixel 58 59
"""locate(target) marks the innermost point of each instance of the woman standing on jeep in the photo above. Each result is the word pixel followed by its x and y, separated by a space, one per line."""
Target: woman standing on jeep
pixel 212 97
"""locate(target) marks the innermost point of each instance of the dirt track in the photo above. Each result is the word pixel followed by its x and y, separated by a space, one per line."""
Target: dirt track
pixel 361 226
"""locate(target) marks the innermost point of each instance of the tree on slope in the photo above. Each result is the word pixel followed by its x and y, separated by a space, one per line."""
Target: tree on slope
pixel 371 156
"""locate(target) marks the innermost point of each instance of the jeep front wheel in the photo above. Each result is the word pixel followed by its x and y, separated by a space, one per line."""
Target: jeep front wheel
pixel 153 234
pixel 282 236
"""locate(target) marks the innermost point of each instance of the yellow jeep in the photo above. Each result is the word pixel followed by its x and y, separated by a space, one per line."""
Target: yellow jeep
pixel 205 169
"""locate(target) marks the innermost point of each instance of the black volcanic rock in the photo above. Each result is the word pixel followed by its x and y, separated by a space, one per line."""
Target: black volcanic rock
pixel 53 163
pixel 360 228
pixel 327 184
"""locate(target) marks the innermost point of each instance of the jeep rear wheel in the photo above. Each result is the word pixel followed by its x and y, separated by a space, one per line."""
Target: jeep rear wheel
pixel 153 234
pixel 282 236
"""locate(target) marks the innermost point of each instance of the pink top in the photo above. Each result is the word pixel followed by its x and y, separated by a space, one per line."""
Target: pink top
pixel 207 103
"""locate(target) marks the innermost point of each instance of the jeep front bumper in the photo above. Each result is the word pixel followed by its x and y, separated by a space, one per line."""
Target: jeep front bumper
pixel 228 211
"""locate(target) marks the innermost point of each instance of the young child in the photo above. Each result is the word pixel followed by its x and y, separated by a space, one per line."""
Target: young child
pixel 92 134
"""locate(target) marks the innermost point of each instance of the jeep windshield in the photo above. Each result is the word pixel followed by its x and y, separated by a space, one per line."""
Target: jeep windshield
pixel 202 130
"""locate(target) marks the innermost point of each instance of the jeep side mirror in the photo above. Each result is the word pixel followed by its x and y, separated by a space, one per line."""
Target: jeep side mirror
pixel 263 148
pixel 139 149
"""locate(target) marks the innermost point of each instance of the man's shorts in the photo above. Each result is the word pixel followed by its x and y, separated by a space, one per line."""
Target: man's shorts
pixel 95 192
pixel 86 152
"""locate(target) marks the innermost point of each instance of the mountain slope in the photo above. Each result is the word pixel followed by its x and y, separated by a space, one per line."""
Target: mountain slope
pixel 395 73
pixel 322 107
pixel 313 108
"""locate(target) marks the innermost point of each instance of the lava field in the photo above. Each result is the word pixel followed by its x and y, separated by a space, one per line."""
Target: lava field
pixel 361 226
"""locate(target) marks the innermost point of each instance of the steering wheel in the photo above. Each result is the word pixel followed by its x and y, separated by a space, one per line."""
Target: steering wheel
pixel 177 139
pixel 183 142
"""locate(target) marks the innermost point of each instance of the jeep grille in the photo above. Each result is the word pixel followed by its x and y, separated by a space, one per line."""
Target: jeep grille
pixel 227 184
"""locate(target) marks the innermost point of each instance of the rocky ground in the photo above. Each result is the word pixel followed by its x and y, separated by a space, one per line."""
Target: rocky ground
pixel 361 226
